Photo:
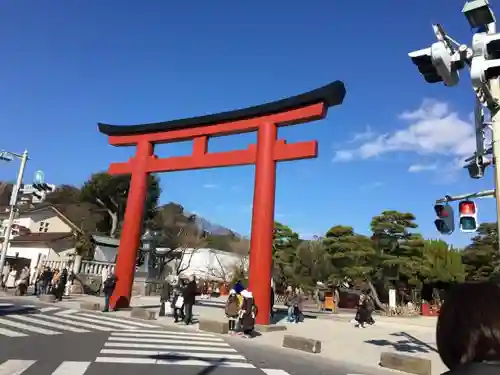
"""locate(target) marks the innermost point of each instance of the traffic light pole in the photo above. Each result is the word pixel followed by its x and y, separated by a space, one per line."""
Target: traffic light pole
pixel 12 213
pixel 453 198
pixel 495 130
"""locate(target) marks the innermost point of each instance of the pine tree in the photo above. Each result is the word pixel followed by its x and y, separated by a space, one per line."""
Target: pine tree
pixel 481 257
pixel 351 254
pixel 399 249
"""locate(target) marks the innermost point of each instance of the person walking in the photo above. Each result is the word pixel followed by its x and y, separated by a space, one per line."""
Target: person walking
pixel 108 289
pixel 362 313
pixel 336 299
pixel 177 303
pixel 232 310
pixel 189 294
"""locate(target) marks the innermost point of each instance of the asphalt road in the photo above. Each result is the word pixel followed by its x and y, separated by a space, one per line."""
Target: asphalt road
pixel 47 340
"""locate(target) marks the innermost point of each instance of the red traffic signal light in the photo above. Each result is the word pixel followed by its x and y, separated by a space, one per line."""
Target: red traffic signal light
pixel 467 208
pixel 443 210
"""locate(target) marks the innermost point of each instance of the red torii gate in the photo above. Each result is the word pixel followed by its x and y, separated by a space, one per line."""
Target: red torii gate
pixel 265 119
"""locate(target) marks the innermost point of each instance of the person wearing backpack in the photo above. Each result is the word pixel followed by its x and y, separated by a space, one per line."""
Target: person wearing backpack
pixel 321 300
pixel 232 310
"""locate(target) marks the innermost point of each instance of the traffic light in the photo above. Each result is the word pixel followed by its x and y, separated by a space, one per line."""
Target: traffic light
pixel 468 216
pixel 437 64
pixel 485 64
pixel 41 190
pixel 445 223
pixel 477 167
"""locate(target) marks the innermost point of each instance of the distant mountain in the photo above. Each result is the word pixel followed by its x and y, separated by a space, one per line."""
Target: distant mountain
pixel 212 228
pixel 172 209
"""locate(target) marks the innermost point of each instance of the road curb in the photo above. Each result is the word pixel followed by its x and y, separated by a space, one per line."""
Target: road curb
pixel 405 363
pixel 302 343
pixel 213 326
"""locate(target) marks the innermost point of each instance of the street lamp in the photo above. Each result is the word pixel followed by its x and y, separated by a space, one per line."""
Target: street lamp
pixel 9 156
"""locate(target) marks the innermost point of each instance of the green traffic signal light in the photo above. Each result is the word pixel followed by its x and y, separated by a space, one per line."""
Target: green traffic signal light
pixel 468 223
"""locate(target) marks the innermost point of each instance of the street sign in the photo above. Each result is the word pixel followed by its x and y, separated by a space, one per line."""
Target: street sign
pixel 39 177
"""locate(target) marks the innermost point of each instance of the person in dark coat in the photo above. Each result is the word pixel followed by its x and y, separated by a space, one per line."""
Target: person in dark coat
pixel 189 294
pixel 232 310
pixel 362 313
pixel 61 284
pixel 248 312
pixel 108 288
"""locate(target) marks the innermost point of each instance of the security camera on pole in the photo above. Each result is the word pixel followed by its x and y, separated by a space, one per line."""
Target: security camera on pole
pixel 441 63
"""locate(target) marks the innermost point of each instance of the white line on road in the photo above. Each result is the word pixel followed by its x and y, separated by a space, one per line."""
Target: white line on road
pixel 25 327
pixel 165 335
pixel 14 367
pixel 271 371
pixel 167 347
pixel 97 320
pixel 47 324
pixel 188 362
pixel 78 324
pixel 9 333
pixel 47 309
pixel 71 368
pixel 117 320
pixel 6 305
pixel 159 332
pixel 67 312
pixel 172 354
pixel 167 341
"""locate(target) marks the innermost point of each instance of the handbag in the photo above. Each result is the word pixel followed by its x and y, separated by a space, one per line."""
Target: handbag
pixel 179 302
pixel 168 309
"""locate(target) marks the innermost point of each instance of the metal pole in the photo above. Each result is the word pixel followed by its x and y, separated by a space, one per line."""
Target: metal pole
pixel 452 198
pixel 12 213
pixel 495 129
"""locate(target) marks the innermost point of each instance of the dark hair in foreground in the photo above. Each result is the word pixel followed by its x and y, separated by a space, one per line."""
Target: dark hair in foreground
pixel 468 328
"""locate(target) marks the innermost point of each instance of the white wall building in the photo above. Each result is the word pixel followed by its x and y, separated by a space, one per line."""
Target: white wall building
pixel 39 235
pixel 210 264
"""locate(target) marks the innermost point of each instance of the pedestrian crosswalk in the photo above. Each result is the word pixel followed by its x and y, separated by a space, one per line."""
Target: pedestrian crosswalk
pixel 27 320
pixel 176 348
pixel 21 367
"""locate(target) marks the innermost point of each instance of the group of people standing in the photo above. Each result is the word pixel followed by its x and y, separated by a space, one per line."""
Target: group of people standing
pixel 241 311
pixel 53 282
pixel 182 297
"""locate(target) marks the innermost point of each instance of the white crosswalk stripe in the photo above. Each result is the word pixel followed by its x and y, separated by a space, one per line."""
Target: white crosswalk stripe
pixel 15 367
pixel 19 367
pixel 170 348
pixel 25 320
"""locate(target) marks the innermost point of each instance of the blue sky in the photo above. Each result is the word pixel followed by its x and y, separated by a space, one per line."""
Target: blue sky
pixel 394 144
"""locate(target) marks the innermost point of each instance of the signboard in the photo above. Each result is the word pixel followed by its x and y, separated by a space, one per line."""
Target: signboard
pixel 39 177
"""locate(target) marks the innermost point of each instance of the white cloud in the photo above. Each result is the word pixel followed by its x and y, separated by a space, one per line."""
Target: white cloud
pixel 210 186
pixel 364 136
pixel 433 129
pixel 416 168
